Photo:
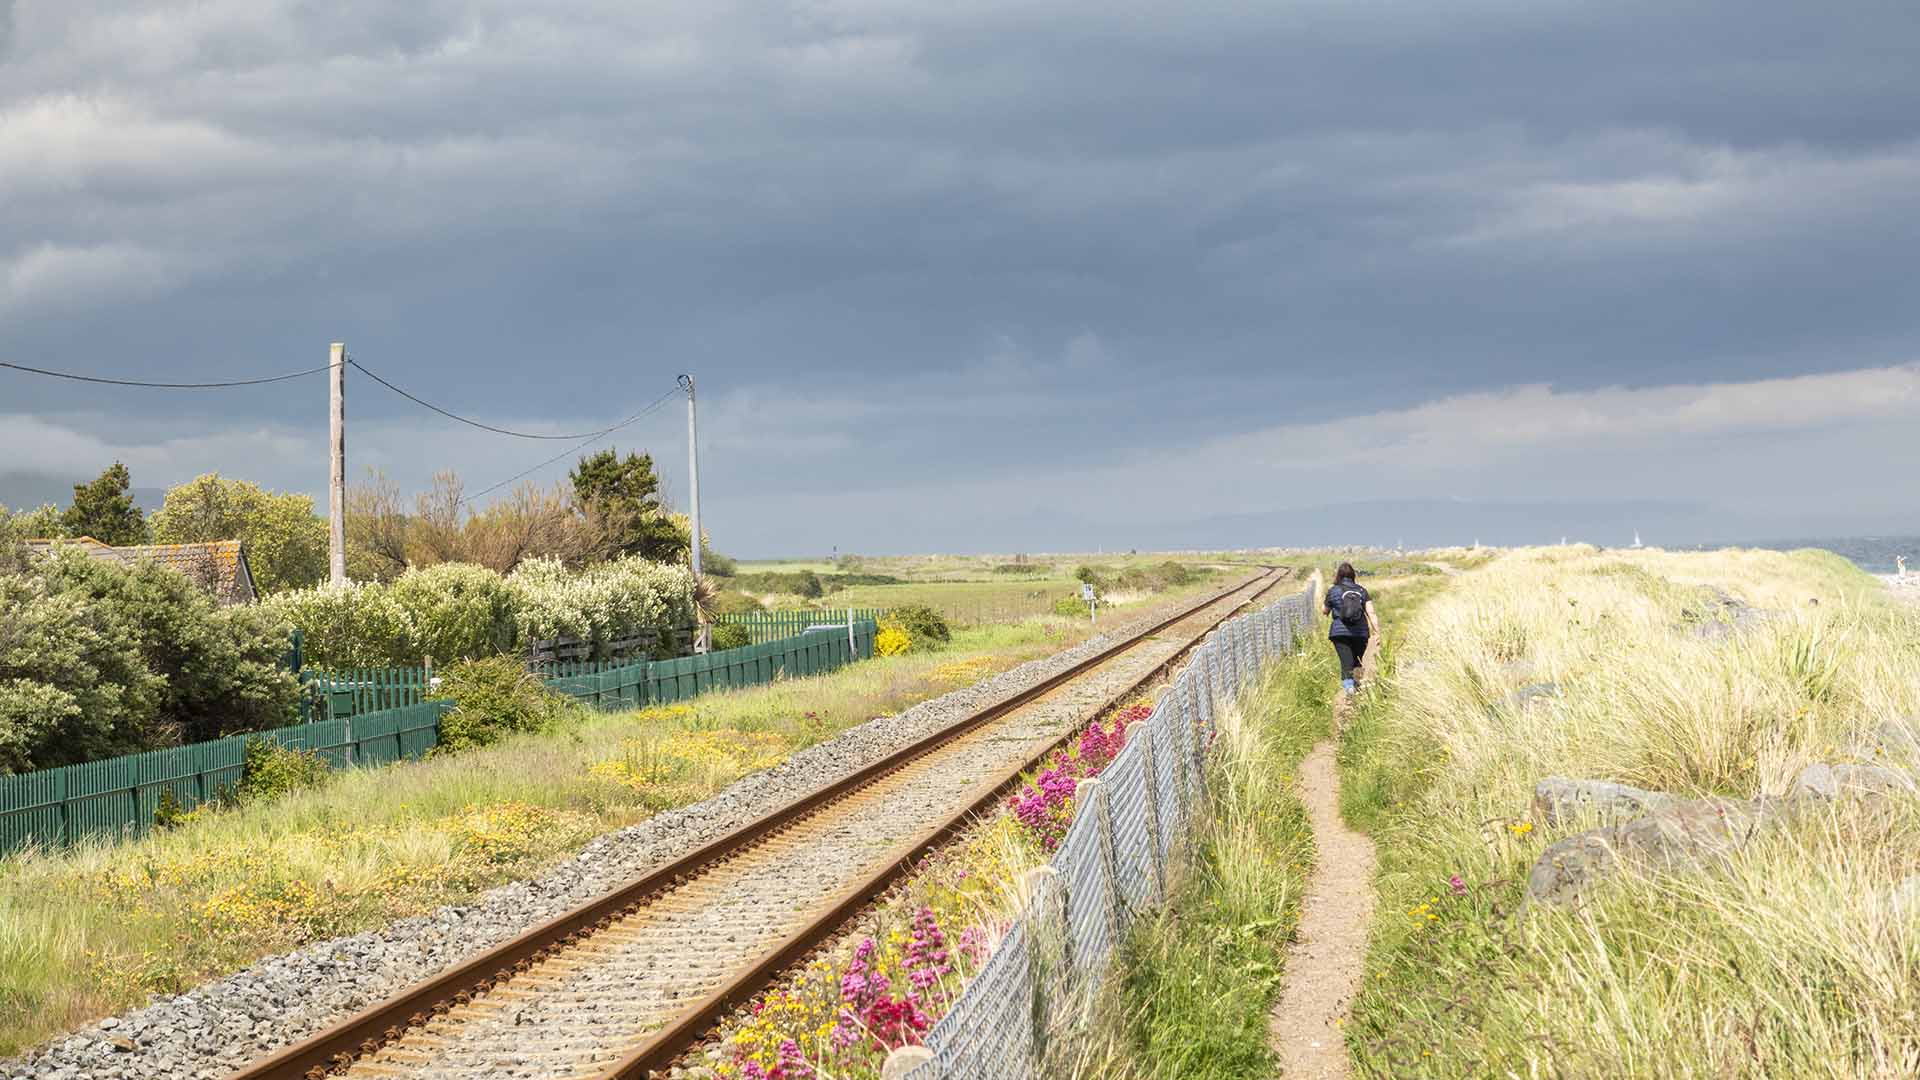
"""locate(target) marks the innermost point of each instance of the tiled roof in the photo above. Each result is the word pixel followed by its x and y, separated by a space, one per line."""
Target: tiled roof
pixel 218 565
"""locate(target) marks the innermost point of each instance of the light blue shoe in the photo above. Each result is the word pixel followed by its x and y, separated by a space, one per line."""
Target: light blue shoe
pixel 1348 685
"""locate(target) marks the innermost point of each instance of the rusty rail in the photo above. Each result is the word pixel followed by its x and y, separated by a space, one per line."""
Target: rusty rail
pixel 332 1050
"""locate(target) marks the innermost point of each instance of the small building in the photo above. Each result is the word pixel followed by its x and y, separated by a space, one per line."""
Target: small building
pixel 219 566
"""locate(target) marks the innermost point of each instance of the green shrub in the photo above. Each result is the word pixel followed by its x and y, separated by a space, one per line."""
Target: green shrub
pixel 1070 606
pixel 167 811
pixel 73 684
pixel 712 562
pixel 1166 575
pixel 927 627
pixel 731 636
pixel 728 602
pixel 1086 574
pixel 493 698
pixel 799 583
pixel 105 658
pixel 458 611
pixel 835 582
pixel 271 770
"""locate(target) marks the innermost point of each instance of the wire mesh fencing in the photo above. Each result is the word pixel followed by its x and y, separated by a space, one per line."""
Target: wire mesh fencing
pixel 1133 822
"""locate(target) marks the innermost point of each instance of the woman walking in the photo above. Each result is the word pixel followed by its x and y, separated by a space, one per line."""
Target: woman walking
pixel 1354 622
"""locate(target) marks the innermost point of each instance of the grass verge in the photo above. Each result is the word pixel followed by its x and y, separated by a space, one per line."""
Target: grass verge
pixel 98 928
pixel 1711 673
pixel 1195 981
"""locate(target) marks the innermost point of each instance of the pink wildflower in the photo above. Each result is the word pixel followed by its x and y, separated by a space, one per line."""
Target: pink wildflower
pixel 973 944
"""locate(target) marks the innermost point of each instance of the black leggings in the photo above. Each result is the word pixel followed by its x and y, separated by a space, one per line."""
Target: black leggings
pixel 1352 651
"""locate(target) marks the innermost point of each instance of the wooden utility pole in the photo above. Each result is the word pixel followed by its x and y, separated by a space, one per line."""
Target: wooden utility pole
pixel 337 487
pixel 702 639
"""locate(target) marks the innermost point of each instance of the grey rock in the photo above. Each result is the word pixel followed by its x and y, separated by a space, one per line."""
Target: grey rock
pixel 1678 837
pixel 1905 895
pixel 1526 694
pixel 1895 743
pixel 1831 781
pixel 1558 801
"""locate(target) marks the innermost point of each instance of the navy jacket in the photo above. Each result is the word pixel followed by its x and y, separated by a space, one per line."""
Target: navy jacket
pixel 1340 629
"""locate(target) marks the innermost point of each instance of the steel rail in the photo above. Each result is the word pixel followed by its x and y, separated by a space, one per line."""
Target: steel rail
pixel 665 1047
pixel 335 1048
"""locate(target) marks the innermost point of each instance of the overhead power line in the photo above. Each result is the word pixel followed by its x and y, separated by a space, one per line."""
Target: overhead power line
pixel 476 423
pixel 596 437
pixel 166 385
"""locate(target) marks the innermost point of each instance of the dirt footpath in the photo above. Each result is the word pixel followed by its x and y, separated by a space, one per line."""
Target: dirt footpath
pixel 1324 967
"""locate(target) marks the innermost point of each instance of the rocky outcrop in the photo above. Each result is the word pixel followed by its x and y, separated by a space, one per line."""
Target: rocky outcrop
pixel 1683 835
pixel 1559 802
pixel 1832 781
pixel 1659 831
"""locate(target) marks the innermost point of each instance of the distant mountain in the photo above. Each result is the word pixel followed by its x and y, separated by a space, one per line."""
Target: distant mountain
pixel 1429 522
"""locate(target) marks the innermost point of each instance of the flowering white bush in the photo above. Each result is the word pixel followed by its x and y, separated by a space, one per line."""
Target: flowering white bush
pixel 459 611
pixel 352 625
pixel 549 601
pixel 454 610
pixel 600 604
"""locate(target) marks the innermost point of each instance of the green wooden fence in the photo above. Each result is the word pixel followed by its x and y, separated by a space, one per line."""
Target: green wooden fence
pixel 765 626
pixel 357 691
pixel 118 796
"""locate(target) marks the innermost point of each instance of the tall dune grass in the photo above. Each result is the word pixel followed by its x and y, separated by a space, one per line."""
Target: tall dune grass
pixel 1712 673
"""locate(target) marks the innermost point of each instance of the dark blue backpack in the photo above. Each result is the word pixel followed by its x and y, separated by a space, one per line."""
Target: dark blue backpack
pixel 1352 608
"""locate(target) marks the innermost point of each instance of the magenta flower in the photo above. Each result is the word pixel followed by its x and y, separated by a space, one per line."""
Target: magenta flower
pixel 1458 885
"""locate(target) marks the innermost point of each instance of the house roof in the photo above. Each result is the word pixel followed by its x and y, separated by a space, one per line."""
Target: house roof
pixel 219 566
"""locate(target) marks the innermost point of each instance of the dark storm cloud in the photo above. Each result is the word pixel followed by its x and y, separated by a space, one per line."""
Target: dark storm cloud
pixel 951 252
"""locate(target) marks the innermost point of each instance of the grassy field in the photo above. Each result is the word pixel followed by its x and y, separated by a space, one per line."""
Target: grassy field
pixel 1721 673
pixel 979 590
pixel 95 929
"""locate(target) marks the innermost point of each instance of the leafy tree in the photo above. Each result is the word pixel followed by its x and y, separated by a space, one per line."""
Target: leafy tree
pixel 218 668
pixel 286 542
pixel 621 497
pixel 104 510
pixel 73 686
pixel 15 528
pixel 41 523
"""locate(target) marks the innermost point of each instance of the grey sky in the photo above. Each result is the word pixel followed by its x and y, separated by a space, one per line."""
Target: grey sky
pixel 994 275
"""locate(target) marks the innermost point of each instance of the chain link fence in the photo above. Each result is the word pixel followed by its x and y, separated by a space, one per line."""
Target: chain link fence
pixel 1133 820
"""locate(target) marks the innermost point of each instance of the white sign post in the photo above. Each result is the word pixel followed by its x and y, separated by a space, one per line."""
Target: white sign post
pixel 1086 593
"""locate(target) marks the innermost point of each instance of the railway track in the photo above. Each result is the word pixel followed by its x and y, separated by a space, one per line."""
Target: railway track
pixel 623 985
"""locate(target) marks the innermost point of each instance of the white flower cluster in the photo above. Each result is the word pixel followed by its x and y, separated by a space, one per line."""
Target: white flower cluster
pixel 455 611
pixel 600 604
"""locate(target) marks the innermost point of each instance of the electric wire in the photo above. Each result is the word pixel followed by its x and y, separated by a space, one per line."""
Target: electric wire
pixel 166 385
pixel 597 436
pixel 475 423
pixel 588 437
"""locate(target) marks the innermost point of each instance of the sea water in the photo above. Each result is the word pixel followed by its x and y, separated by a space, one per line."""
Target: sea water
pixel 1873 554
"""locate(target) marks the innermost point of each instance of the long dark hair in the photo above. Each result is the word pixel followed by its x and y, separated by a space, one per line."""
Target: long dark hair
pixel 1345 573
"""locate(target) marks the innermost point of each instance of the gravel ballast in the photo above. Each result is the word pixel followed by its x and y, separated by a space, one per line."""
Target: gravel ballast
pixel 220 1026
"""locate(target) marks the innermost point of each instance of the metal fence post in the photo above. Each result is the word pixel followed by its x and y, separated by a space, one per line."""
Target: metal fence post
pixel 1151 778
pixel 1180 730
pixel 1050 959
pixel 1096 803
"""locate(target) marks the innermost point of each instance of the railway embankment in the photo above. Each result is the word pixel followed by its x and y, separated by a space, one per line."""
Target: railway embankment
pixel 265 1004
